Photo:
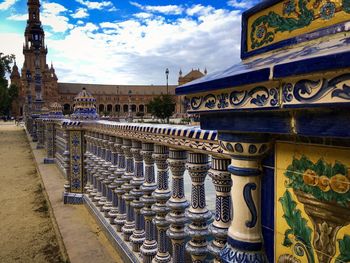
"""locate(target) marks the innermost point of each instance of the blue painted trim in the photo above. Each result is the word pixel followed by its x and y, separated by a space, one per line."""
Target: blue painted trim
pixel 243 171
pixel 259 122
pixel 242 245
pixel 247 195
pixel 242 137
pixel 332 61
pixel 236 110
pixel 344 105
pixel 245 78
pixel 330 123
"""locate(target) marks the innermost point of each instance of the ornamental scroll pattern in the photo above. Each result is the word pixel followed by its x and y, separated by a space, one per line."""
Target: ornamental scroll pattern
pixel 291 15
pixel 256 97
pixel 76 162
pixel 336 89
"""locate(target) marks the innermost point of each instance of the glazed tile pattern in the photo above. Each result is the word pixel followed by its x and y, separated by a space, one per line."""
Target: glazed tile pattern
pixel 290 18
pixel 312 206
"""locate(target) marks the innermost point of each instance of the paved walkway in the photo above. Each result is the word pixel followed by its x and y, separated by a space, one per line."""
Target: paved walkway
pixel 83 239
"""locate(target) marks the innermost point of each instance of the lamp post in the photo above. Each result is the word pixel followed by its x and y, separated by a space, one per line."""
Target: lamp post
pixel 167 78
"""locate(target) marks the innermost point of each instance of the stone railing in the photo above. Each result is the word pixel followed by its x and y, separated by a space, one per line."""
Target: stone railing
pixel 131 177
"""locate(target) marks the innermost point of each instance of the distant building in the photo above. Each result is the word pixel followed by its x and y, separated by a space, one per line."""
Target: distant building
pixel 111 99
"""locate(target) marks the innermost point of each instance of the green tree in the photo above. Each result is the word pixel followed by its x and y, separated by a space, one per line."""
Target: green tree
pixel 7 94
pixel 162 107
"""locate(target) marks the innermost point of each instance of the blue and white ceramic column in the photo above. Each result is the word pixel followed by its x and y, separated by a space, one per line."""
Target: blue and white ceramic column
pixel 111 177
pixel 98 175
pixel 149 246
pixel 119 180
pixel 177 205
pixel 138 236
pixel 162 195
pixel 222 182
pixel 104 172
pixel 94 166
pixel 198 166
pixel 129 225
pixel 244 241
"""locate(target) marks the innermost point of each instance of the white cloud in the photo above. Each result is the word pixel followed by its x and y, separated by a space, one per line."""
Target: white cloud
pixel 18 17
pixel 97 5
pixel 13 45
pixel 80 13
pixel 199 10
pixel 6 4
pixel 80 22
pixel 164 9
pixel 137 52
pixel 53 8
pixel 143 15
pixel 242 4
pixel 53 16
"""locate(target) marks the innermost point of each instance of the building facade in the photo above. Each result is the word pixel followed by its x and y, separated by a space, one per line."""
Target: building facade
pixel 110 99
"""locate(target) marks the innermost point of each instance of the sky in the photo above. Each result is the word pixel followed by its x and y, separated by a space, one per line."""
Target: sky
pixel 129 42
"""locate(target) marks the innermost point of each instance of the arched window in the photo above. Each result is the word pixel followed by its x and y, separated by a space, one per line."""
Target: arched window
pixel 109 108
pixel 133 108
pixel 141 108
pixel 125 108
pixel 117 108
pixel 101 108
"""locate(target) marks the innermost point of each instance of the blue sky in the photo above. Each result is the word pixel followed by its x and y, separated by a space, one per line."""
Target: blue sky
pixel 129 42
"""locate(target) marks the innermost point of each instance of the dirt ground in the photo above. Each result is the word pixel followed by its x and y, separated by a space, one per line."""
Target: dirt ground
pixel 26 230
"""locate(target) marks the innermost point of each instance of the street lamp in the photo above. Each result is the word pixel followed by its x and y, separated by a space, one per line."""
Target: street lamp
pixel 167 78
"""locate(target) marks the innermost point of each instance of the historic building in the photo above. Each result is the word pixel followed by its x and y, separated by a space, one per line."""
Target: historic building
pixel 110 99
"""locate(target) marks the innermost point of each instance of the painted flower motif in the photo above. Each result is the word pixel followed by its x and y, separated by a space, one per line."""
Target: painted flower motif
pixel 327 11
pixel 261 31
pixel 288 7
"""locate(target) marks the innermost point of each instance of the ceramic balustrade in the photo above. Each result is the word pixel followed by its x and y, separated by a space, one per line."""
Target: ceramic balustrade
pixel 127 180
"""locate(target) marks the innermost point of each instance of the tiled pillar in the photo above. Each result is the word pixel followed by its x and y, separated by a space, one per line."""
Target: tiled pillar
pixel 113 159
pixel 66 160
pixel 244 241
pixel 138 236
pixel 149 246
pixel 99 169
pixel 222 183
pixel 74 191
pixel 177 205
pixel 105 173
pixel 162 195
pixel 40 133
pixel 50 143
pixel 129 225
pixel 119 180
pixel 119 159
pixel 88 163
pixel 198 166
pixel 94 166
